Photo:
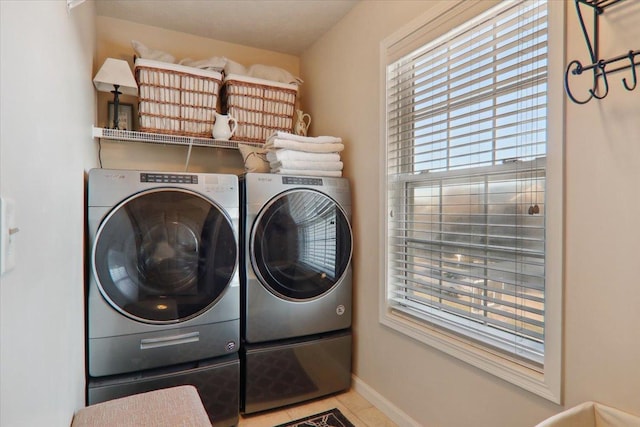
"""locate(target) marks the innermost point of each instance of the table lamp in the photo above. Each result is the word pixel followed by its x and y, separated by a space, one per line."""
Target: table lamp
pixel 116 77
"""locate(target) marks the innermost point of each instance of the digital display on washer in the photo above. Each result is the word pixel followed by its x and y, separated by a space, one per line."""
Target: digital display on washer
pixel 168 178
pixel 298 180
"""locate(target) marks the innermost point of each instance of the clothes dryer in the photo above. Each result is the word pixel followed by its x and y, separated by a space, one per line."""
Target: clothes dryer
pixel 296 288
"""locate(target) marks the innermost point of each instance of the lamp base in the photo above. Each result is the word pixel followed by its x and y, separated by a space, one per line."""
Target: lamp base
pixel 116 103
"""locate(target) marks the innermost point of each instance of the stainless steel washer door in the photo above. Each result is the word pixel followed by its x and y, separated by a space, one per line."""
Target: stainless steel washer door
pixel 301 244
pixel 164 255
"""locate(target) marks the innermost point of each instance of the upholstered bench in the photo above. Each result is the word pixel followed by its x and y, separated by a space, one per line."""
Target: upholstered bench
pixel 169 407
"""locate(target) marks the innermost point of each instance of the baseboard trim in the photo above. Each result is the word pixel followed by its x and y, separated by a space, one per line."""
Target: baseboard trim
pixel 386 407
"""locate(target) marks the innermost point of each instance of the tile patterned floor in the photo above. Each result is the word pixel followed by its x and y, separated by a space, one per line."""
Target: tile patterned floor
pixel 359 411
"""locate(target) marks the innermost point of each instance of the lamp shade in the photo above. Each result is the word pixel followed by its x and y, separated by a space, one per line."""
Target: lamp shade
pixel 115 72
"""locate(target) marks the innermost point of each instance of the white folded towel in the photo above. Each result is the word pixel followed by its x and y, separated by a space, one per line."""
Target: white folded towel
pixel 306 164
pixel 309 147
pixel 311 139
pixel 279 155
pixel 306 172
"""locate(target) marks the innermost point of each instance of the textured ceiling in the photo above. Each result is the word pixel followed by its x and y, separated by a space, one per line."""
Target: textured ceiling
pixel 286 26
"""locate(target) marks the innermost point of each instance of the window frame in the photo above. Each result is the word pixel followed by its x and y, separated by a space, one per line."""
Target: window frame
pixel 442 18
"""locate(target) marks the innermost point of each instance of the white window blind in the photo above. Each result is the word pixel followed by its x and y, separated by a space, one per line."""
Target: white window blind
pixel 466 139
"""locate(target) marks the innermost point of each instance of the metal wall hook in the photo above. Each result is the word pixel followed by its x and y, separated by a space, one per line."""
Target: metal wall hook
pixel 598 65
pixel 633 73
pixel 577 71
pixel 593 93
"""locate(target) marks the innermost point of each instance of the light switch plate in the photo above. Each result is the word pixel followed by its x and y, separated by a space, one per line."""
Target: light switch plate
pixel 8 230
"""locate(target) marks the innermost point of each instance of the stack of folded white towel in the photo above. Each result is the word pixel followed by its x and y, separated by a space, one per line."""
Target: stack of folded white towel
pixel 290 154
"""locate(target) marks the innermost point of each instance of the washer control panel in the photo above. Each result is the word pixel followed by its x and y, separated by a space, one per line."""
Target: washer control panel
pixel 168 178
pixel 300 180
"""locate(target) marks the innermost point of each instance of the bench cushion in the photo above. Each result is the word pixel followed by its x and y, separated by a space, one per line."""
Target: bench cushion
pixel 170 407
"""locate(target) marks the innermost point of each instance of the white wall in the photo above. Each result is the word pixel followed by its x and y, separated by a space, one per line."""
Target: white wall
pixel 602 230
pixel 46 111
pixel 602 296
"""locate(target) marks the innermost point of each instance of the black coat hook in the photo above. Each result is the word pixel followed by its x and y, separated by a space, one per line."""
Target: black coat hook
pixel 633 73
pixel 577 71
pixel 593 93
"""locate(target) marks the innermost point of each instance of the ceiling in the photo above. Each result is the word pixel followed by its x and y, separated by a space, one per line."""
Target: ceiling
pixel 286 26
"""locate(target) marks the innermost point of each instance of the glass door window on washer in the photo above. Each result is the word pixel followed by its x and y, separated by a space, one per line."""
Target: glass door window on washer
pixel 301 244
pixel 164 256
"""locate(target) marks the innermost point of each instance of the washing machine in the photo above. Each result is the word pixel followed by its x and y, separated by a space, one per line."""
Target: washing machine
pixel 296 288
pixel 163 297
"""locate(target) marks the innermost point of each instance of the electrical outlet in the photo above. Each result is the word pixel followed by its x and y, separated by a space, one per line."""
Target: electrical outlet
pixel 8 230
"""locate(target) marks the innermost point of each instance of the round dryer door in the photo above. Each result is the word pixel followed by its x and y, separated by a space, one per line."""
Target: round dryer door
pixel 164 256
pixel 301 244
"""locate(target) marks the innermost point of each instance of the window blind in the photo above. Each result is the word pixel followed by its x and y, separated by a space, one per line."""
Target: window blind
pixel 466 173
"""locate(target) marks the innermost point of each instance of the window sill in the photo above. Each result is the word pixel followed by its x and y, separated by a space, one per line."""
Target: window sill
pixel 481 358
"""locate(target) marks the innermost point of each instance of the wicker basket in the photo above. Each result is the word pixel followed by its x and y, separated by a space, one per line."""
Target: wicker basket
pixel 260 106
pixel 176 99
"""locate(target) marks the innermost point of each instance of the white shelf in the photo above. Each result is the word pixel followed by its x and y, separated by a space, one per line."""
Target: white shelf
pixel 158 138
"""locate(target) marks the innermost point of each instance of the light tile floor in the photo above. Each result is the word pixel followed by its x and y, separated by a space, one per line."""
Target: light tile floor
pixel 355 407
